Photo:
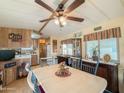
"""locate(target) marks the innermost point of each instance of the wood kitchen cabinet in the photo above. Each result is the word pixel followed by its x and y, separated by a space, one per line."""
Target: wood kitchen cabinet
pixel 34 60
pixel 9 69
pixel 10 75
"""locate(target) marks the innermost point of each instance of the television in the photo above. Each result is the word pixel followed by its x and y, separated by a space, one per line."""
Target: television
pixel 6 55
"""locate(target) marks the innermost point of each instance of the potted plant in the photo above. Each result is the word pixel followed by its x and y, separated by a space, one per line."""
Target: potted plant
pixel 95 54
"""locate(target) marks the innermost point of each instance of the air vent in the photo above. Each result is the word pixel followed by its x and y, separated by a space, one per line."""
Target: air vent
pixel 97 28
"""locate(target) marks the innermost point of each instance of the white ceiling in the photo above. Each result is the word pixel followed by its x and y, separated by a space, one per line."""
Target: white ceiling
pixel 26 14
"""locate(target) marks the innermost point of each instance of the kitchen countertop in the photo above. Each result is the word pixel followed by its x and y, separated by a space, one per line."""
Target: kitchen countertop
pixel 91 61
pixel 23 56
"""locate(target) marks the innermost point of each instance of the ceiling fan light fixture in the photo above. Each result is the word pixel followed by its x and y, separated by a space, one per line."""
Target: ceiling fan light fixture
pixel 56 21
pixel 62 19
pixel 61 14
pixel 64 23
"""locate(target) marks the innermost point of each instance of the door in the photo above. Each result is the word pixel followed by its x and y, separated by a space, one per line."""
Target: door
pixel 42 50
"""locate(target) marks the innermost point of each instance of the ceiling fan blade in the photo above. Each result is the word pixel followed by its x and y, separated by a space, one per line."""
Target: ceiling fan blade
pixel 34 31
pixel 74 5
pixel 46 20
pixel 75 18
pixel 44 5
pixel 46 23
pixel 63 2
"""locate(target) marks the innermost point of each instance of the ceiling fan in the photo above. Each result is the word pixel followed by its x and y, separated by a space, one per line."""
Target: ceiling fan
pixel 61 14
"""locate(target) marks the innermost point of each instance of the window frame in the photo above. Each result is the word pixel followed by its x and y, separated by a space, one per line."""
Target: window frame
pixel 117 46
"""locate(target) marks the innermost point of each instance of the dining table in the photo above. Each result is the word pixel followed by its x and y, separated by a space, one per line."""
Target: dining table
pixel 78 81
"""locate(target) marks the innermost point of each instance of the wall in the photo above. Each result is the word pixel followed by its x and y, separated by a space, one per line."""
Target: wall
pixel 119 22
pixel 58 45
pixel 5 42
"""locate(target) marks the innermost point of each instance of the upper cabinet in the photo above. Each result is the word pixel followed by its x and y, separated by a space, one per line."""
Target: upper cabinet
pixel 72 47
pixel 14 38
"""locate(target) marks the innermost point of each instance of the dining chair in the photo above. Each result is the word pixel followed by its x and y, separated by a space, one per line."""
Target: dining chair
pixel 90 69
pixel 32 82
pixel 28 67
pixel 75 62
pixel 47 61
pixel 107 91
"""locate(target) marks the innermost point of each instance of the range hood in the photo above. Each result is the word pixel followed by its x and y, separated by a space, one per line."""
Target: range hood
pixel 35 35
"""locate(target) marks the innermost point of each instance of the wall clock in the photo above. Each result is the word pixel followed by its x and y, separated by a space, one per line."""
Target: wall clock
pixel 106 58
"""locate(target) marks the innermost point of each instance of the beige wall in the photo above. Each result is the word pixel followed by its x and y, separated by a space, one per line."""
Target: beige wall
pixel 58 45
pixel 119 22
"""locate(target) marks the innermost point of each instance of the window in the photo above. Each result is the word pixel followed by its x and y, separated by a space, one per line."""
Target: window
pixel 64 49
pixel 109 46
pixel 91 45
pixel 106 46
pixel 70 49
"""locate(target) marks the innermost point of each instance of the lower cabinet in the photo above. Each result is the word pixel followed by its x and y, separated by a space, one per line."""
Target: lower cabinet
pixel 34 60
pixel 10 75
pixel 110 73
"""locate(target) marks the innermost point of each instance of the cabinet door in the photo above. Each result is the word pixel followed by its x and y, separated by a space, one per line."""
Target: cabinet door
pixel 34 60
pixel 10 75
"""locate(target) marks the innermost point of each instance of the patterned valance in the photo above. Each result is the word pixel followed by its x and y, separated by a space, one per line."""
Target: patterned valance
pixel 109 33
pixel 69 41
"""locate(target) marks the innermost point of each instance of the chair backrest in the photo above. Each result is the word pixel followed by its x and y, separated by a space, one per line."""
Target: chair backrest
pixel 89 68
pixel 74 62
pixel 107 91
pixel 32 82
pixel 28 67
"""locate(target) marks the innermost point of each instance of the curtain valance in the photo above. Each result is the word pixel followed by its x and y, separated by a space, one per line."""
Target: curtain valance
pixel 109 33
